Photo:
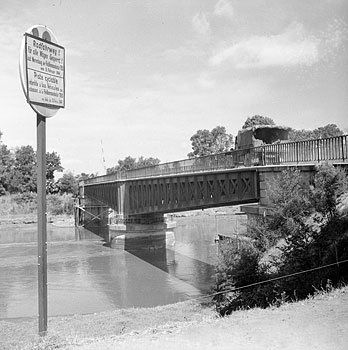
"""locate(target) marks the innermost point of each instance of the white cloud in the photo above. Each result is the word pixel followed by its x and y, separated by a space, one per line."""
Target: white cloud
pixel 201 24
pixel 292 47
pixel 224 8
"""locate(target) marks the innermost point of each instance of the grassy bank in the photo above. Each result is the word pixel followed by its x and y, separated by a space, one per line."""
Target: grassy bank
pixel 319 322
pixel 83 329
pixel 22 208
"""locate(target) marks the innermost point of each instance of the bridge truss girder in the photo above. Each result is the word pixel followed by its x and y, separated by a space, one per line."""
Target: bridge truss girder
pixel 175 193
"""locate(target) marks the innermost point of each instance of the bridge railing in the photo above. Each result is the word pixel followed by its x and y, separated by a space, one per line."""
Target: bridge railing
pixel 307 151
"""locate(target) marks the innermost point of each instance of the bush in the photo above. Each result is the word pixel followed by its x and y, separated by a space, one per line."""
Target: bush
pixel 239 267
pixel 21 203
pixel 308 228
pixel 60 204
pixel 26 203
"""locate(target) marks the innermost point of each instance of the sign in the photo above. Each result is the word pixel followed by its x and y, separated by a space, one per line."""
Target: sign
pixel 45 65
pixel 42 71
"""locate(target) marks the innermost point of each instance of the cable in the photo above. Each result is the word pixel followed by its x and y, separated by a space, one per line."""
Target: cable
pixel 236 288
pixel 270 280
pixel 95 216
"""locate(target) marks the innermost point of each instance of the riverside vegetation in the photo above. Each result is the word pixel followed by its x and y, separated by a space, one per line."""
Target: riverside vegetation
pixel 308 228
pixel 22 207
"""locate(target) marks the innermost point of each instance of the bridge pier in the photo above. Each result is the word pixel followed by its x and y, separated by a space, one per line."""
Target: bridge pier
pixel 147 231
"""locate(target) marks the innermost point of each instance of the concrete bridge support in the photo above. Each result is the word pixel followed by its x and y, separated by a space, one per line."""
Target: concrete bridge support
pixel 150 231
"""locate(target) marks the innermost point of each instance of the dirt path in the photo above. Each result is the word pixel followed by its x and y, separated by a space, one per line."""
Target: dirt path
pixel 319 323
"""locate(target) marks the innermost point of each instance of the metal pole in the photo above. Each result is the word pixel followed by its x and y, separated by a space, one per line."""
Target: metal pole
pixel 42 223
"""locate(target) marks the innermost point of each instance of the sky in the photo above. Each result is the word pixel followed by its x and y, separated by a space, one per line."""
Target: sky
pixel 143 76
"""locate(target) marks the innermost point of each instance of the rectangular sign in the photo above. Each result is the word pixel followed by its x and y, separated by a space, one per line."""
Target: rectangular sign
pixel 45 69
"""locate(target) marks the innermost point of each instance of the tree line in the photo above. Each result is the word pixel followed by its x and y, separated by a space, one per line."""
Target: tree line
pixel 18 171
pixel 205 142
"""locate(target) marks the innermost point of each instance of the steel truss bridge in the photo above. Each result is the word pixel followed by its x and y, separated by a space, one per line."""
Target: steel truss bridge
pixel 222 179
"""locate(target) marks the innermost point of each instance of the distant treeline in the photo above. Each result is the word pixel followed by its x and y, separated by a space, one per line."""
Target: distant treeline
pixel 18 172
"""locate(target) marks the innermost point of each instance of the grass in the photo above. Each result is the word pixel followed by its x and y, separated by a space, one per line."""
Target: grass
pixel 187 325
pixel 82 329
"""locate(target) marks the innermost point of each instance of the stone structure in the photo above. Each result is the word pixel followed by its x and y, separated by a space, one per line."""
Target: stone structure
pixel 261 135
pixel 266 177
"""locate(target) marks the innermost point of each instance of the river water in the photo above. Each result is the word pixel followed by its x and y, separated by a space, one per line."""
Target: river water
pixel 86 276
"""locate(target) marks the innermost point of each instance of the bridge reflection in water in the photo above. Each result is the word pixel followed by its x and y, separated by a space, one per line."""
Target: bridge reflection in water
pixel 85 276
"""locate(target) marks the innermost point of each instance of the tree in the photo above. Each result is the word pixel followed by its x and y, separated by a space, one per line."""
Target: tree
pixel 146 162
pixel 52 164
pixel 299 135
pixel 205 142
pixel 307 229
pixel 6 163
pixel 257 120
pixel 84 176
pixel 18 169
pixel 329 130
pixel 68 183
pixel 130 163
pixel 23 177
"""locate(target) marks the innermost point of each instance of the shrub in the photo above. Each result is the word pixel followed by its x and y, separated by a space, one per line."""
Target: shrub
pixel 320 237
pixel 308 228
pixel 238 267
pixel 22 203
pixel 60 204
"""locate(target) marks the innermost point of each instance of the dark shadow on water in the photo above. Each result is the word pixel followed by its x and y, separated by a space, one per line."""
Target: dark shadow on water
pixel 192 271
pixel 152 250
pixel 101 231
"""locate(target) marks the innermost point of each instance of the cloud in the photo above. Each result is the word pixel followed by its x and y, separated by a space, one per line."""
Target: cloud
pixel 201 24
pixel 224 8
pixel 292 47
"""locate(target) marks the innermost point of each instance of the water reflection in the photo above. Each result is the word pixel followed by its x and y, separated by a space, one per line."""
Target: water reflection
pixel 27 233
pixel 192 271
pixel 85 276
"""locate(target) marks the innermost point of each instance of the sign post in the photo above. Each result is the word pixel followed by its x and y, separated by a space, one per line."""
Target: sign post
pixel 42 222
pixel 42 72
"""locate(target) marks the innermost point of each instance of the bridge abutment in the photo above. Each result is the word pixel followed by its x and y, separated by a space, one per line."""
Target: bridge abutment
pixel 266 176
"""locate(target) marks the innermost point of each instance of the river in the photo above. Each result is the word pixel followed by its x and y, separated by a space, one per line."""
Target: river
pixel 86 276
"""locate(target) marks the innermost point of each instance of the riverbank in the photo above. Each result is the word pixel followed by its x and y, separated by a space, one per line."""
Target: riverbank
pixel 21 208
pixel 319 322
pixel 23 219
pixel 68 220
